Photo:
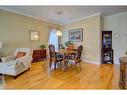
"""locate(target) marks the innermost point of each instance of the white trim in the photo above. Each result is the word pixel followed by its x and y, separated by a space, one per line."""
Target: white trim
pixel 96 14
pixel 91 62
pixel 102 14
pixel 20 13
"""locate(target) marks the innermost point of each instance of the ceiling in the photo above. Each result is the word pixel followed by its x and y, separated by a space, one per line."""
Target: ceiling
pixel 64 14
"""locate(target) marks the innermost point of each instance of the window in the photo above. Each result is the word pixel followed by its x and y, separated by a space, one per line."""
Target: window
pixel 53 38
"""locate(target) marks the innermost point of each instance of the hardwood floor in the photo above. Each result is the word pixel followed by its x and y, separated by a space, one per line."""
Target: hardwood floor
pixel 92 76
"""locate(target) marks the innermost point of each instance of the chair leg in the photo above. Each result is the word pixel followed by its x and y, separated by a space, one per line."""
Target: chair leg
pixel 71 65
pixel 80 65
pixel 60 63
pixel 75 67
pixel 15 77
pixel 54 65
pixel 50 64
pixel 66 66
pixel 63 66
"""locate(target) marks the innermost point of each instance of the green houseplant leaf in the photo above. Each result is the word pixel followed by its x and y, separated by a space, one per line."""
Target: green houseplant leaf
pixel 42 46
pixel 67 43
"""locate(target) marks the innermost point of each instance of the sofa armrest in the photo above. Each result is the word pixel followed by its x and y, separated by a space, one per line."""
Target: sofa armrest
pixel 5 59
pixel 26 60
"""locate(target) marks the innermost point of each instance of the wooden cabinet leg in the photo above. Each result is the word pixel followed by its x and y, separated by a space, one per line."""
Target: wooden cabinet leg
pixel 15 77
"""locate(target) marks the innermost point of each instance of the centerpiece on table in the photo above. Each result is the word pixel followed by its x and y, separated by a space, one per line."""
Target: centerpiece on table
pixel 69 45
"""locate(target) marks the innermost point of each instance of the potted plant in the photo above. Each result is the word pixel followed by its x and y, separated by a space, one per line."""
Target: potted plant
pixel 42 46
pixel 67 43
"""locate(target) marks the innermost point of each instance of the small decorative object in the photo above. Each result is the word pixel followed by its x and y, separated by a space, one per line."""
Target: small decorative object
pixel 67 43
pixel 76 35
pixel 42 46
pixel 33 35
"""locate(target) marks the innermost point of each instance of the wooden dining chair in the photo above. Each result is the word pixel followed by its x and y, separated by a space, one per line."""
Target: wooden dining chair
pixel 54 56
pixel 70 47
pixel 77 59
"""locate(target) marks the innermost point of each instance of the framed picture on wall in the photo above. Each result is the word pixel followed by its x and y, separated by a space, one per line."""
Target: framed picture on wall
pixel 76 35
pixel 33 35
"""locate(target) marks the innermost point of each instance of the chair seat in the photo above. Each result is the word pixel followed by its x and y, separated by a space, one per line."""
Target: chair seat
pixel 69 56
pixel 59 56
pixel 57 59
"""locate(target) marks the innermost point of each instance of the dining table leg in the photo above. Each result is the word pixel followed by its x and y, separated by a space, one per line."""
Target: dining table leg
pixel 64 63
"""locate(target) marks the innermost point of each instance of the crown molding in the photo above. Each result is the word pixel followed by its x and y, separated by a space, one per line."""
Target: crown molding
pixel 50 21
pixel 76 20
pixel 20 13
pixel 121 13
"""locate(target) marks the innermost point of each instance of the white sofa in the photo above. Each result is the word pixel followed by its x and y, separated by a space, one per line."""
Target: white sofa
pixel 12 66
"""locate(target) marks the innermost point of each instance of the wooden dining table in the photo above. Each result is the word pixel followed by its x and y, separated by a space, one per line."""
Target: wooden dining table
pixel 65 52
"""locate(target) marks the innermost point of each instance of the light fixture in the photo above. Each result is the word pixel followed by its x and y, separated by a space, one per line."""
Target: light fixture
pixel 0 44
pixel 59 33
pixel 59 12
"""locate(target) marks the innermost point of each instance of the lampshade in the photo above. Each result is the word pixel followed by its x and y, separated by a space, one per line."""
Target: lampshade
pixel 59 33
pixel 0 44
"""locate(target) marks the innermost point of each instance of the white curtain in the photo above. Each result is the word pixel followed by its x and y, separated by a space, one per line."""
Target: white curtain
pixel 53 38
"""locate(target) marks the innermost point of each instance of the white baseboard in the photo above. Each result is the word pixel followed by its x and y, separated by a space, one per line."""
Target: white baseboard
pixel 91 62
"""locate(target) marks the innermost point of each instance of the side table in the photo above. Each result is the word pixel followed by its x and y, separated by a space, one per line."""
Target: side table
pixel 123 73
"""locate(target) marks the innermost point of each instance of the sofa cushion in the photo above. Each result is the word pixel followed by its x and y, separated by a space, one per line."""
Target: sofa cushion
pixel 20 54
pixel 6 59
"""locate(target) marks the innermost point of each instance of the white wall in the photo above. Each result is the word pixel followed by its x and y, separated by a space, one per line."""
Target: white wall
pixel 118 25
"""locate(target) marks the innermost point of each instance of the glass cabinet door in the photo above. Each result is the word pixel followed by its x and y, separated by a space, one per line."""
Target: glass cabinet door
pixel 107 41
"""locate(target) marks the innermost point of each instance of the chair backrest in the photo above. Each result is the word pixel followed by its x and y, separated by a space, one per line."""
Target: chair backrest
pixel 79 52
pixel 26 50
pixel 52 51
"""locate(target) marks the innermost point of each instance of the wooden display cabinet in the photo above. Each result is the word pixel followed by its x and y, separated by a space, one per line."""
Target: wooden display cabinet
pixel 107 51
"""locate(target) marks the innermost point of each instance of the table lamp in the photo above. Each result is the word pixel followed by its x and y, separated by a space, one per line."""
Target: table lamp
pixel 59 34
